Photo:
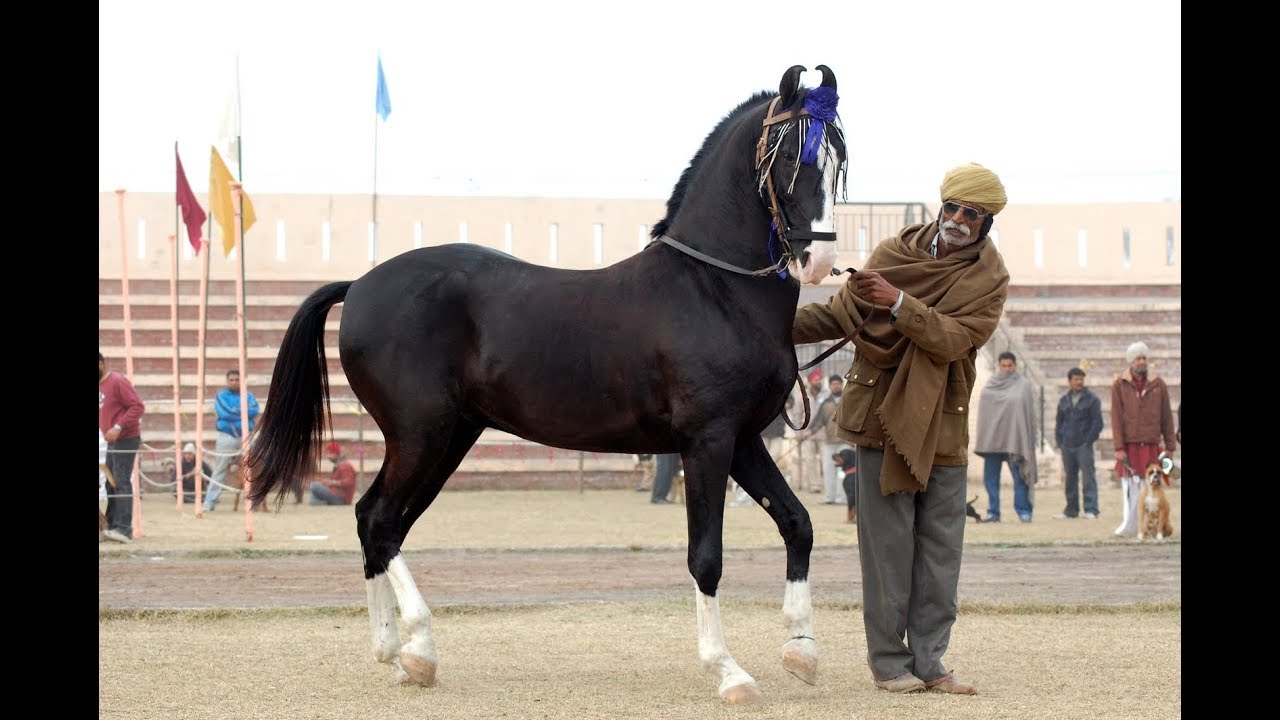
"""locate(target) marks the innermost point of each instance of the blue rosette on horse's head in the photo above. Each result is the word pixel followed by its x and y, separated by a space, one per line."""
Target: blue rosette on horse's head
pixel 821 104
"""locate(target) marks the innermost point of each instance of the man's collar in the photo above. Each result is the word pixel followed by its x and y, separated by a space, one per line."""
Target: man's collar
pixel 933 246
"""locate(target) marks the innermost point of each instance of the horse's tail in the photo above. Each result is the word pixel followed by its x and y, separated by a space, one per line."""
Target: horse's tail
pixel 284 448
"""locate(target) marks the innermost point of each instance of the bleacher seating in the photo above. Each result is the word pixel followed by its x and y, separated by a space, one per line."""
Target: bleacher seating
pixel 1052 328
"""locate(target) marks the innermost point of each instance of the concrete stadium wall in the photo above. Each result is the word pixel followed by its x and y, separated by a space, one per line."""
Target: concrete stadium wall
pixel 327 237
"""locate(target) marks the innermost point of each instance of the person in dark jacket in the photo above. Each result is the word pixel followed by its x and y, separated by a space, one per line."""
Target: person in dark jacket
pixel 1077 428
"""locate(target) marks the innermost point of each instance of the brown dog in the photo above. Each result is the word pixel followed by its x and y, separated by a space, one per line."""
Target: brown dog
pixel 1153 506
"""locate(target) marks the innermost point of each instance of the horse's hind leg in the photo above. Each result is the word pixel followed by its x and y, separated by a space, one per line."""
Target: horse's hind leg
pixel 706 469
pixel 384 515
pixel 755 471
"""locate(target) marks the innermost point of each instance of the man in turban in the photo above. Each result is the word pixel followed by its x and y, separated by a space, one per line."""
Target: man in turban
pixel 1141 426
pixel 926 300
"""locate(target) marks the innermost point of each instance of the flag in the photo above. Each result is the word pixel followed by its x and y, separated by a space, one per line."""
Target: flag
pixel 220 202
pixel 192 214
pixel 383 102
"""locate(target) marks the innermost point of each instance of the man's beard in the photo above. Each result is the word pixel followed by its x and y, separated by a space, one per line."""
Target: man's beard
pixel 969 237
pixel 1140 371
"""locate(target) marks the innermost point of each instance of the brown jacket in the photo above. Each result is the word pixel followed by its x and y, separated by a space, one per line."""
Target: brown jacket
pixel 912 376
pixel 1141 418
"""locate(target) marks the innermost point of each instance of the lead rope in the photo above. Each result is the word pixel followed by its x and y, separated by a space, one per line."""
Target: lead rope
pixel 804 394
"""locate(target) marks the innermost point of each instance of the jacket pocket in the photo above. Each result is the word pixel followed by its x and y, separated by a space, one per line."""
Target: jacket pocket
pixel 953 434
pixel 860 392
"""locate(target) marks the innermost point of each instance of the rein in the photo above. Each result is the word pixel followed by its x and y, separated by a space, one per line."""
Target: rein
pixel 804 394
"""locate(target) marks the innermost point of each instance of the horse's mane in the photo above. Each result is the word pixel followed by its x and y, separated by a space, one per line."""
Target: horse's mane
pixel 713 139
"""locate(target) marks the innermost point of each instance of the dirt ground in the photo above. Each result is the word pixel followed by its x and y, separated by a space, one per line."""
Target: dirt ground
pixel 541 547
pixel 1069 575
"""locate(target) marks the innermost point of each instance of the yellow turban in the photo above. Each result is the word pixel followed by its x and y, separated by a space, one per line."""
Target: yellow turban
pixel 975 184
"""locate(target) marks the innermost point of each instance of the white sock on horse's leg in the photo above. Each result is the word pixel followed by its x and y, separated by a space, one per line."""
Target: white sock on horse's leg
pixel 736 686
pixel 800 651
pixel 383 623
pixel 418 654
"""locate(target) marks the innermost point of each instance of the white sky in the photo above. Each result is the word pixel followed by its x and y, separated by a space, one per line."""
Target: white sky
pixel 1067 102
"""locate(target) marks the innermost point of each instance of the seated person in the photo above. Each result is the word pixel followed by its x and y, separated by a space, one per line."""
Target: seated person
pixel 340 487
pixel 189 474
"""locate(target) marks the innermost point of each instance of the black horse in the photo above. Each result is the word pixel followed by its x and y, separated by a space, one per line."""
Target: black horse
pixel 684 347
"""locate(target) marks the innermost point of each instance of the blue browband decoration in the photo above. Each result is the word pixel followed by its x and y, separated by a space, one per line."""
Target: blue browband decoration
pixel 773 236
pixel 821 104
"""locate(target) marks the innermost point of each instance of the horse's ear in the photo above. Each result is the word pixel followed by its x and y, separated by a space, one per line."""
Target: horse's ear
pixel 787 88
pixel 828 77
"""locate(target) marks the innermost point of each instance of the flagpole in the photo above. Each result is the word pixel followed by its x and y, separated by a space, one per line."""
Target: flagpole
pixel 124 288
pixel 128 354
pixel 236 200
pixel 200 368
pixel 177 382
pixel 373 226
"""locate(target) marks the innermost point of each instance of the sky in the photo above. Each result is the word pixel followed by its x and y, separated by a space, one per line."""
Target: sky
pixel 1068 103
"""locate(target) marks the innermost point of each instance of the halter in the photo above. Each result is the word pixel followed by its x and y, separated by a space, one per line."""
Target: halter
pixel 780 225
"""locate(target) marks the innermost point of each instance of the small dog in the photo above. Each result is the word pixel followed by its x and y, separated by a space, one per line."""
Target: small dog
pixel 1153 506
pixel 970 512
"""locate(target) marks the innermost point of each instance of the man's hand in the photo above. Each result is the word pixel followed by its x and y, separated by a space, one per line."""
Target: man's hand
pixel 873 288
pixel 1121 456
pixel 113 433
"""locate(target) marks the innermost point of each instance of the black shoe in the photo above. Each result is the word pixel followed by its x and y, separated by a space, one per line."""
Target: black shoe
pixel 660 501
pixel 991 518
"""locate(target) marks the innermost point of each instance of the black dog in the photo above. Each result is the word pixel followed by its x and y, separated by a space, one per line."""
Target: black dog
pixel 970 512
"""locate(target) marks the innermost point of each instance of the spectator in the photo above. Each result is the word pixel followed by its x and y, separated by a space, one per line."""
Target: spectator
pixel 925 301
pixel 188 473
pixel 119 418
pixel 663 474
pixel 646 464
pixel 1141 426
pixel 227 447
pixel 1007 434
pixel 832 477
pixel 340 487
pixel 1076 429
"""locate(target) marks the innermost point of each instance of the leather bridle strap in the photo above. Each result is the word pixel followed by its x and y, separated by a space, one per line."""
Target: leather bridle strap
pixel 720 263
pixel 785 234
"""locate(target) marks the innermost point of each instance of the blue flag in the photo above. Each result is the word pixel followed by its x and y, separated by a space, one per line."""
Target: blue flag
pixel 383 103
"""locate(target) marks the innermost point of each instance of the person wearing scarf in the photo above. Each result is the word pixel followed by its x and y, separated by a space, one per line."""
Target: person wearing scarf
pixel 929 297
pixel 1007 433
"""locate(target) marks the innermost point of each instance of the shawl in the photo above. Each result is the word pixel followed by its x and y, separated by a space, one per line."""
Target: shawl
pixel 1007 423
pixel 969 287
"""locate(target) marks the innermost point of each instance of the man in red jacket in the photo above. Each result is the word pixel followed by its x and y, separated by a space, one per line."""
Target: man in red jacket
pixel 340 487
pixel 1141 426
pixel 119 418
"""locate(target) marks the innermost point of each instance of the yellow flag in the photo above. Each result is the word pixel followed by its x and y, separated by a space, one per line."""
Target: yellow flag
pixel 220 202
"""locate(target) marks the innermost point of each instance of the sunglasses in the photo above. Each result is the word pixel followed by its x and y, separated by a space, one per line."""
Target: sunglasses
pixel 970 214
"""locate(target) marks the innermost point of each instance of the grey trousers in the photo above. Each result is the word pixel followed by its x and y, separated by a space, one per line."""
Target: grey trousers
pixel 909 545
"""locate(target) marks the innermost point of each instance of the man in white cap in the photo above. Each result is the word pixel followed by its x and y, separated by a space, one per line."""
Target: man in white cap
pixel 1141 422
pixel 930 296
pixel 189 474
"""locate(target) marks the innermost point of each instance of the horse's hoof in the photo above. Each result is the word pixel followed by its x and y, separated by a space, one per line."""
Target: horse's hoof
pixel 801 659
pixel 744 694
pixel 417 671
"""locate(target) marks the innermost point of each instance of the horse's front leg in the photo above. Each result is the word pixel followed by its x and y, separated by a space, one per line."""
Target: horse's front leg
pixel 705 477
pixel 755 471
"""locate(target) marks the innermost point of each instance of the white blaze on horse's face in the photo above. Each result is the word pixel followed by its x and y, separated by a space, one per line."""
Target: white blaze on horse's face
pixel 820 256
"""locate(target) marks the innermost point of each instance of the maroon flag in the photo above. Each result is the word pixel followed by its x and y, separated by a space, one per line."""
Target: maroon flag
pixel 192 214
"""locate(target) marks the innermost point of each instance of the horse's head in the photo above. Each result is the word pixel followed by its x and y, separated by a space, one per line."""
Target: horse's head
pixel 800 166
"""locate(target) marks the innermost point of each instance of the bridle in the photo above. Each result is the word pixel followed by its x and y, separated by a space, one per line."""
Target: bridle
pixel 780 226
